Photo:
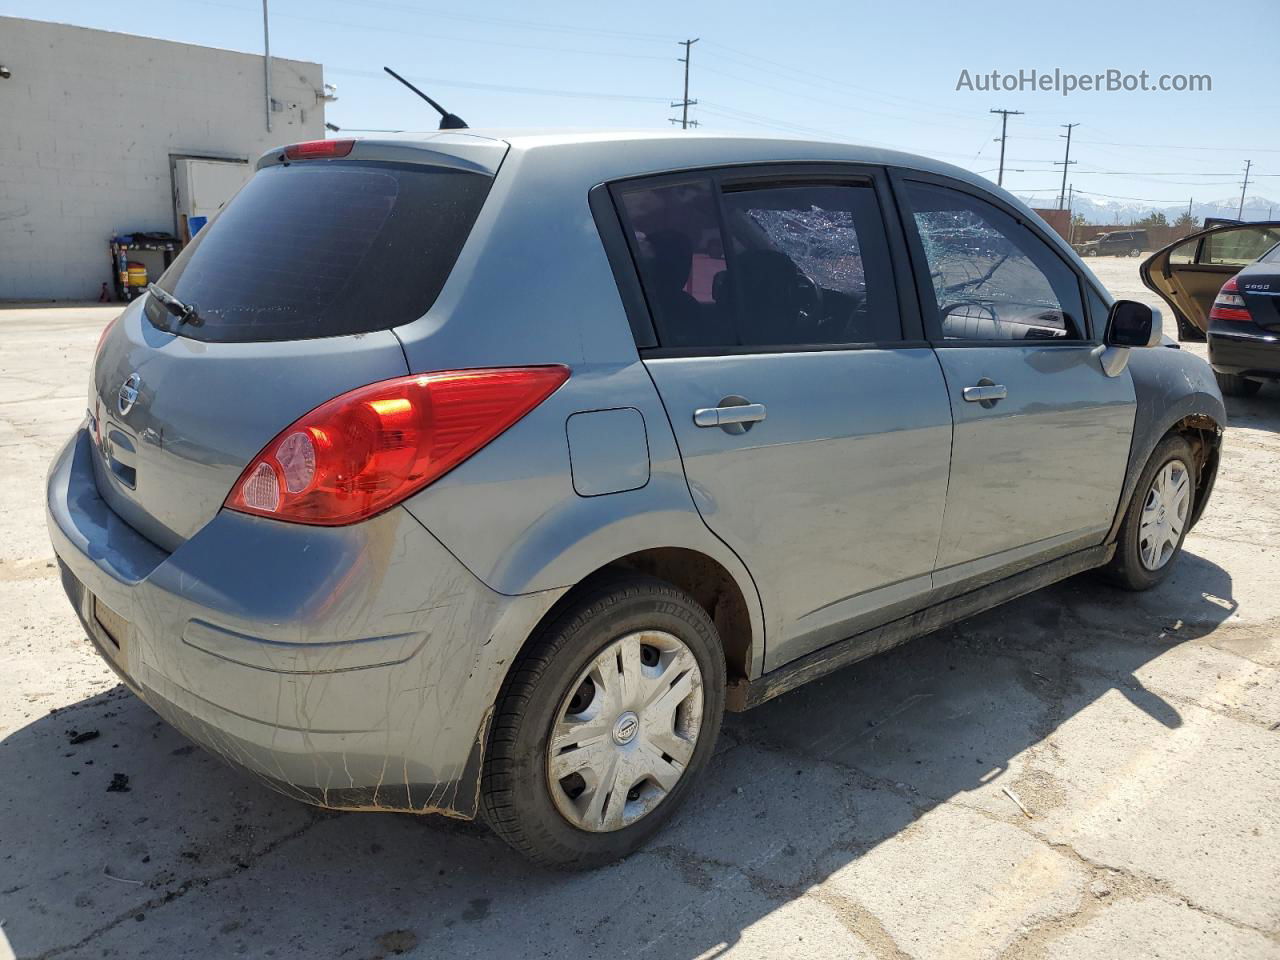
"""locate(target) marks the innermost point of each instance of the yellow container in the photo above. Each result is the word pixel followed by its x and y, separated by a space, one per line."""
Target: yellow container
pixel 137 274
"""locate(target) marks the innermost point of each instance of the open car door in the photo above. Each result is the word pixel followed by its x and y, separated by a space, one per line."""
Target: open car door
pixel 1188 273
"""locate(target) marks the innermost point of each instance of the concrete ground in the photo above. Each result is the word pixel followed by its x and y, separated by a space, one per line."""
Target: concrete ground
pixel 876 814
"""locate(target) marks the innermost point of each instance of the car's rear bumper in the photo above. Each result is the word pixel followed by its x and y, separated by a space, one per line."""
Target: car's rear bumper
pixel 1245 354
pixel 353 667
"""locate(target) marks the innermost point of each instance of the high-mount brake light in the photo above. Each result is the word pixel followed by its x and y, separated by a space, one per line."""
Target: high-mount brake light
pixel 309 149
pixel 1229 305
pixel 368 449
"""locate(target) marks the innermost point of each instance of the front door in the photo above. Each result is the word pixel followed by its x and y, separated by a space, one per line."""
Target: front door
pixel 815 438
pixel 1042 433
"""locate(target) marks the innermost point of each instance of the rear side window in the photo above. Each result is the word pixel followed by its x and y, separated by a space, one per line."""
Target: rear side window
pixel 1238 247
pixel 311 250
pixel 774 265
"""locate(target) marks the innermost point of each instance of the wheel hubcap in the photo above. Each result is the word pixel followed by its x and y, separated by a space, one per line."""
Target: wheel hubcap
pixel 1164 515
pixel 625 731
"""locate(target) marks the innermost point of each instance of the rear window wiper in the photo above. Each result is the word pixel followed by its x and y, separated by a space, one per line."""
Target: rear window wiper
pixel 186 313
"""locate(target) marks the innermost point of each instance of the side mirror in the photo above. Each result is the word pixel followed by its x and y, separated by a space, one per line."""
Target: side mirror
pixel 1133 324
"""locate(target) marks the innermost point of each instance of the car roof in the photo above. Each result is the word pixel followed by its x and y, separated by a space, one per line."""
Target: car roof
pixel 682 148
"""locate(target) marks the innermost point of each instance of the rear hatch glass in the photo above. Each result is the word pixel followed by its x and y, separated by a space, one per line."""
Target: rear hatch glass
pixel 323 249
pixel 297 284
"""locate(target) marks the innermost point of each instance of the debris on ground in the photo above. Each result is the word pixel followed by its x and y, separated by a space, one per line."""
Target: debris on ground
pixel 74 736
pixel 119 783
pixel 1014 797
pixel 107 873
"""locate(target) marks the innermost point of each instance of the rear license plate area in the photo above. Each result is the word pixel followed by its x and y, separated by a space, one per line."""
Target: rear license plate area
pixel 113 626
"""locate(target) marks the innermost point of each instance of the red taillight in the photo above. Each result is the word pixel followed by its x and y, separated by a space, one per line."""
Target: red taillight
pixel 1229 305
pixel 366 450
pixel 318 148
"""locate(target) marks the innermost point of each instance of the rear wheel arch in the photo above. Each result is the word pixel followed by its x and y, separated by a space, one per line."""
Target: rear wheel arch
pixel 703 577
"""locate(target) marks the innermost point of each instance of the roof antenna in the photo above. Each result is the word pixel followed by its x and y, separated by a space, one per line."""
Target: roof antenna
pixel 448 121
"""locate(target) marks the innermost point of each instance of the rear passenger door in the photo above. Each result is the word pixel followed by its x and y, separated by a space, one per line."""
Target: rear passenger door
pixel 1188 275
pixel 811 416
pixel 1042 433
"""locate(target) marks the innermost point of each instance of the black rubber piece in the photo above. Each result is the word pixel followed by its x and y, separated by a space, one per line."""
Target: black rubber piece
pixel 1188 332
pixel 1234 386
pixel 515 795
pixel 1125 569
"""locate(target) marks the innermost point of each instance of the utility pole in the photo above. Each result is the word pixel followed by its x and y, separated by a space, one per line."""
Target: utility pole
pixel 1004 131
pixel 1243 187
pixel 685 103
pixel 1071 217
pixel 1066 163
pixel 266 62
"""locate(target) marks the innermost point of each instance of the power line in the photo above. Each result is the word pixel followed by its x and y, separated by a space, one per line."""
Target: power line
pixel 402 31
pixel 1243 187
pixel 503 88
pixel 1004 135
pixel 558 28
pixel 823 82
pixel 759 120
pixel 685 103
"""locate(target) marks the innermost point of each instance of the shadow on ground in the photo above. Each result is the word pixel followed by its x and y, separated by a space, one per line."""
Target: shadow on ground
pixel 195 859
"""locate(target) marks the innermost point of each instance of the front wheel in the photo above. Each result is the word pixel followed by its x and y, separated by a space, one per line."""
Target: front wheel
pixel 603 723
pixel 1135 252
pixel 1233 386
pixel 1157 519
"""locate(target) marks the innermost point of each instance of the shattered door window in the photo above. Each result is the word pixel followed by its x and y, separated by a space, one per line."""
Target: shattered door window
pixel 808 265
pixel 993 279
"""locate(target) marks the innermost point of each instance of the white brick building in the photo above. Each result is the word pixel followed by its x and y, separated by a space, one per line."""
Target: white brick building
pixel 90 125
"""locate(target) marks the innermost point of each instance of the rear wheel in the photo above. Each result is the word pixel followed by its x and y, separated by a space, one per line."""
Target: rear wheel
pixel 1234 386
pixel 603 723
pixel 1157 519
pixel 1135 252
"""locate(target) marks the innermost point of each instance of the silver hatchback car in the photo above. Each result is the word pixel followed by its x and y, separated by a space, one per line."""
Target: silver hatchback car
pixel 480 474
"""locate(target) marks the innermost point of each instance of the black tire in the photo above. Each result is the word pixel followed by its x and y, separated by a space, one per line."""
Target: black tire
pixel 1233 386
pixel 1126 568
pixel 1135 252
pixel 515 789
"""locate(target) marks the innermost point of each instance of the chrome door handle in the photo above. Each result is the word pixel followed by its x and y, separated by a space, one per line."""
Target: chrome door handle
pixel 723 416
pixel 986 393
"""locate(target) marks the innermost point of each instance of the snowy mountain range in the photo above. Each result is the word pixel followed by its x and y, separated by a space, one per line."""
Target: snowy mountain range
pixel 1113 212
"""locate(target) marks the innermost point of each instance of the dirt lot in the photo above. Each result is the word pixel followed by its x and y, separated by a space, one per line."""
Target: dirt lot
pixel 870 815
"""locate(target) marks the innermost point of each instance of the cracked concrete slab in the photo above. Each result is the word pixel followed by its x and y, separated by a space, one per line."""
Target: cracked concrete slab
pixel 1151 928
pixel 958 884
pixel 1185 795
pixel 864 816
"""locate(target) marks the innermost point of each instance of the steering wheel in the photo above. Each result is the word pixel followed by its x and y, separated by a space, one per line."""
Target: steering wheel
pixel 808 298
pixel 985 306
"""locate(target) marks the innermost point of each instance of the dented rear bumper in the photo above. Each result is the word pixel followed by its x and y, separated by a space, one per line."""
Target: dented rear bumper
pixel 353 667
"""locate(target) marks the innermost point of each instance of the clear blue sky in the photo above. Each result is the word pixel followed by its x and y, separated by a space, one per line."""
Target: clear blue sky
pixel 860 70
